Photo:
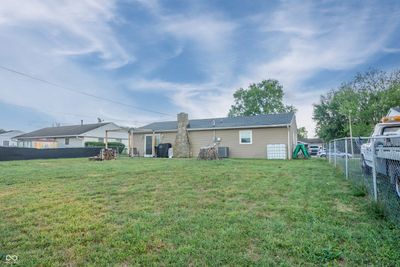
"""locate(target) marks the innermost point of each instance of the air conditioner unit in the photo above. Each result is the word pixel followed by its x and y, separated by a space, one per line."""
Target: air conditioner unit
pixel 223 152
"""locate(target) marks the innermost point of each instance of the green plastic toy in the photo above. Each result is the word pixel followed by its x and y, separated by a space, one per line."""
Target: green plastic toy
pixel 302 148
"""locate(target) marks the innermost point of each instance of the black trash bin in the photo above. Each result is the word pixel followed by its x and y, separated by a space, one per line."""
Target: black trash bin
pixel 162 150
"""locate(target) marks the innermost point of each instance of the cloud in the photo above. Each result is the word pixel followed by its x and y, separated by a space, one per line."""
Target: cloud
pixel 292 42
pixel 335 42
pixel 391 50
pixel 300 40
pixel 72 28
pixel 44 39
pixel 210 34
pixel 316 38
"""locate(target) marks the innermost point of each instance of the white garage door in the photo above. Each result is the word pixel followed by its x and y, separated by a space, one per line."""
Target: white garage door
pixel 276 151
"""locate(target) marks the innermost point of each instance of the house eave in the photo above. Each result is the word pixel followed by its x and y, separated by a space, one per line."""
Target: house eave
pixel 64 136
pixel 41 137
pixel 137 131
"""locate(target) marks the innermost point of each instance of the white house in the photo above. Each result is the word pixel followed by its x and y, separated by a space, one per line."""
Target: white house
pixel 73 136
pixel 8 138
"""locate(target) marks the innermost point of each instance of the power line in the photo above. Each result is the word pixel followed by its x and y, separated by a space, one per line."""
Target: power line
pixel 100 116
pixel 84 116
pixel 79 92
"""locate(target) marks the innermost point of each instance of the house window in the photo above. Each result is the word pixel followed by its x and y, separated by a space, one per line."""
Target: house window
pixel 101 140
pixel 246 137
pixel 6 143
pixel 66 141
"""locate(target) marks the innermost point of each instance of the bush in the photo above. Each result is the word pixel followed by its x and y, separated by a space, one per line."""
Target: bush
pixel 115 145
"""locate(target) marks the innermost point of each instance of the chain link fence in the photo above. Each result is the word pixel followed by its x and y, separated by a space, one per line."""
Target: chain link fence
pixel 373 165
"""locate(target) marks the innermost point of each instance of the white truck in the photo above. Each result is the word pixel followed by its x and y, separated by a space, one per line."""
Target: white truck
pixel 383 149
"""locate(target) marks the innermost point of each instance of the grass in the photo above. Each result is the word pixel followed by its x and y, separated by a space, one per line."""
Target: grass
pixel 73 212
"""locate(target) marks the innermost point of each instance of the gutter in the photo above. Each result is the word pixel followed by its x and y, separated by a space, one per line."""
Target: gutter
pixel 289 146
pixel 59 136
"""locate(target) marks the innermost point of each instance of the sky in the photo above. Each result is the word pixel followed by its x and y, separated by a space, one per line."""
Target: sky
pixel 153 59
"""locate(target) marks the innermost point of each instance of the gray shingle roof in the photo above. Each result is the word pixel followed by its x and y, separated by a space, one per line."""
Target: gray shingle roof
pixel 227 122
pixel 62 130
pixel 312 140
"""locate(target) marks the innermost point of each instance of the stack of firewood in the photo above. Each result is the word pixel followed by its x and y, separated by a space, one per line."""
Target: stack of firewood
pixel 208 153
pixel 108 154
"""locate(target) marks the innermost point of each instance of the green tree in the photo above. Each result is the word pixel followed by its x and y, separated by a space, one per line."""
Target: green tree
pixel 302 132
pixel 264 97
pixel 364 100
pixel 329 121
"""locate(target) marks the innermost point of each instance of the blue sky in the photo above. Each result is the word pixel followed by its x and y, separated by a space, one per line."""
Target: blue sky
pixel 172 56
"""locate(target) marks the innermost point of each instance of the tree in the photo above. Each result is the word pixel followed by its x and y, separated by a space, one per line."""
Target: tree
pixel 262 98
pixel 329 122
pixel 302 132
pixel 364 100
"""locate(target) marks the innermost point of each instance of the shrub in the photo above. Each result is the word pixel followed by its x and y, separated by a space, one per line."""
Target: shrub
pixel 115 145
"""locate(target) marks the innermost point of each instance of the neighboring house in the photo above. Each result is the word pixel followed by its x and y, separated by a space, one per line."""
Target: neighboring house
pixel 245 137
pixel 73 136
pixel 313 141
pixel 313 145
pixel 7 138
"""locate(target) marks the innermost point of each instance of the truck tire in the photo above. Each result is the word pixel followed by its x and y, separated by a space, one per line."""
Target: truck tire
pixel 394 173
pixel 365 168
pixel 397 186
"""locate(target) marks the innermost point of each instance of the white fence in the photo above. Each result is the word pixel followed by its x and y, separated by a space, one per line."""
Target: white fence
pixel 373 165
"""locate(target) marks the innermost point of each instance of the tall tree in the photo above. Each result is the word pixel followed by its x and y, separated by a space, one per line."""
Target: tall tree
pixel 302 132
pixel 363 101
pixel 264 97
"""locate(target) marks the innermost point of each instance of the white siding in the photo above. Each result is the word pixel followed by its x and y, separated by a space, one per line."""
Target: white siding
pixel 73 142
pixel 7 138
pixel 79 141
pixel 100 132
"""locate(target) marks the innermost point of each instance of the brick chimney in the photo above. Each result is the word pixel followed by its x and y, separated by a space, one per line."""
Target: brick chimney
pixel 182 146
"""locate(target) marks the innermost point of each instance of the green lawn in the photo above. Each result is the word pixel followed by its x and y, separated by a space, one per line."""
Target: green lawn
pixel 73 212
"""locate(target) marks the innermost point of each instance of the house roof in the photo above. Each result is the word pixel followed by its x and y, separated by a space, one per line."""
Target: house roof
pixel 227 122
pixel 11 133
pixel 62 130
pixel 311 140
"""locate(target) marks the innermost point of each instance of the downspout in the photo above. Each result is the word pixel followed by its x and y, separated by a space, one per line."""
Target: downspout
pixel 132 143
pixel 129 143
pixel 106 139
pixel 214 132
pixel 153 141
pixel 289 146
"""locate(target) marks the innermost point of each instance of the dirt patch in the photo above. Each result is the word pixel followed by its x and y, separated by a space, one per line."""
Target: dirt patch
pixel 341 207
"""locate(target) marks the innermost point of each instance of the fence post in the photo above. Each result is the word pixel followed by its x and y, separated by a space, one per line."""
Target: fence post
pixel 328 152
pixel 347 158
pixel 334 150
pixel 374 172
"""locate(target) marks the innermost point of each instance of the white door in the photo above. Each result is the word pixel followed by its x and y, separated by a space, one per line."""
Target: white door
pixel 148 144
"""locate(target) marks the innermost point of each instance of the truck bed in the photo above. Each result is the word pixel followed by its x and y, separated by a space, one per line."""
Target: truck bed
pixel 386 152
